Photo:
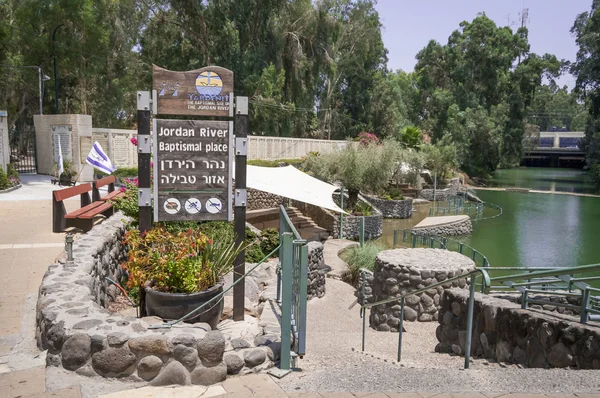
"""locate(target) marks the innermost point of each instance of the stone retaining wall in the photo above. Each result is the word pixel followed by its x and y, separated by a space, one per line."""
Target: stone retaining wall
pixel 322 217
pixel 441 194
pixel 83 336
pixel 392 208
pixel 402 271
pixel 262 200
pixel 316 271
pixel 351 225
pixel 504 332
pixel 463 227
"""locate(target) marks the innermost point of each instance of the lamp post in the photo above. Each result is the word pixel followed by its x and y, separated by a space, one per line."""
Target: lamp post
pixel 55 73
pixel 41 78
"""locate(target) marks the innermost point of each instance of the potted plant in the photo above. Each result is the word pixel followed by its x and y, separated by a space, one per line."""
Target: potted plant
pixel 68 174
pixel 179 272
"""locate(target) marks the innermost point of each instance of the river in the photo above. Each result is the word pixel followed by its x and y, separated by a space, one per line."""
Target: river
pixel 535 229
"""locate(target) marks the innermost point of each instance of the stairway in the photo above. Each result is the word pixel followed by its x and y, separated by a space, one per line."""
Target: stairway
pixel 407 191
pixel 306 227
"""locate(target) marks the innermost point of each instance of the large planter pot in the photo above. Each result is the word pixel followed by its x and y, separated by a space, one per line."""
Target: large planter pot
pixel 172 306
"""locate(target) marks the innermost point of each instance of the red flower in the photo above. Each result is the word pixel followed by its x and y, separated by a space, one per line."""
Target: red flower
pixel 134 141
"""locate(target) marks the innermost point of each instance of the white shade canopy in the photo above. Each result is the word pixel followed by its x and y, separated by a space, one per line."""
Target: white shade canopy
pixel 291 183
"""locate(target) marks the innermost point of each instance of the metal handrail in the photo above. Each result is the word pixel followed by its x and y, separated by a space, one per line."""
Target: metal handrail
pixel 290 225
pixel 551 272
pixel 472 274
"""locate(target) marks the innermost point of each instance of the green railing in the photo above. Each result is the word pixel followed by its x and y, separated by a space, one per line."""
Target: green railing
pixel 559 281
pixel 416 239
pixel 485 282
pixel 458 205
pixel 292 286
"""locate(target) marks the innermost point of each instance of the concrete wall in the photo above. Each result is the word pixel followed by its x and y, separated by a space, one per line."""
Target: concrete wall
pixel 504 332
pixel 46 128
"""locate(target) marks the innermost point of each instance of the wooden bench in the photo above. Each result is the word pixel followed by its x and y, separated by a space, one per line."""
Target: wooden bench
pixel 112 194
pixel 83 218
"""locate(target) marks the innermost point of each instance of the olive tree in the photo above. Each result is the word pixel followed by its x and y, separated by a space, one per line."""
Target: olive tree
pixel 366 168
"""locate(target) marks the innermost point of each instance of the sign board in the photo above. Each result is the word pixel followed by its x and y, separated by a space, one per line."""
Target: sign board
pixel 192 170
pixel 206 91
pixel 64 134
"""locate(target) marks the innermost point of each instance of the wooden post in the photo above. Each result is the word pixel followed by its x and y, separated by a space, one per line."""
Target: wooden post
pixel 143 122
pixel 241 136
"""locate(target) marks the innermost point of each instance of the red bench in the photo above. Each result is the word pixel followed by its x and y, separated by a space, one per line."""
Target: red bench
pixel 83 218
pixel 103 182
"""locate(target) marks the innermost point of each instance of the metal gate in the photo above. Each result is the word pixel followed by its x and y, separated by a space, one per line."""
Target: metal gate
pixel 23 154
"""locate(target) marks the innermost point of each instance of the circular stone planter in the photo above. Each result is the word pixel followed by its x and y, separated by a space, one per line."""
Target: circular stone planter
pixel 172 306
pixel 402 271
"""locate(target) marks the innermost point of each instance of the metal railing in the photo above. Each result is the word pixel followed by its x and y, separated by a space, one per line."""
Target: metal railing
pixel 292 284
pixel 559 281
pixel 416 239
pixel 485 282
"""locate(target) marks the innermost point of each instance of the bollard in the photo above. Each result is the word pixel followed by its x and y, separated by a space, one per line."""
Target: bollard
pixel 400 328
pixel 69 244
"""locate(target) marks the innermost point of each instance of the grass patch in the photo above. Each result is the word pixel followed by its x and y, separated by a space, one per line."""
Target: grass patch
pixel 360 257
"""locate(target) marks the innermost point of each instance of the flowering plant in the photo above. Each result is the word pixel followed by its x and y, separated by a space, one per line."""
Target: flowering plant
pixel 365 139
pixel 183 262
pixel 133 141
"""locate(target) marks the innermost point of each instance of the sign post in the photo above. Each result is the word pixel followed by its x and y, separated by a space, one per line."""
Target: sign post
pixel 193 159
pixel 144 155
pixel 241 198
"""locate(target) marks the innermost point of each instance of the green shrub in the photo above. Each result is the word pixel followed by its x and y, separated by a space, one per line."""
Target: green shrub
pixel 4 182
pixel 121 172
pixel 358 258
pixel 394 193
pixel 363 209
pixel 269 240
pixel 12 172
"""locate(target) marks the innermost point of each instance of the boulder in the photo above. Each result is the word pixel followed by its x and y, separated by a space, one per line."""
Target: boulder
pixel 150 344
pixel 207 376
pixel 188 356
pixel 254 357
pixel 234 363
pixel 212 347
pixel 76 351
pixel 173 373
pixel 113 360
pixel 149 367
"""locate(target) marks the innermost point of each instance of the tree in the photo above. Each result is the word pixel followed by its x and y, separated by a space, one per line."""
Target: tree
pixel 440 158
pixel 359 168
pixel 474 90
pixel 586 30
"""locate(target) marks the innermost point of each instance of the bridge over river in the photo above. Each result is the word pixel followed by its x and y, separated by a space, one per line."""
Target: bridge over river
pixel 556 149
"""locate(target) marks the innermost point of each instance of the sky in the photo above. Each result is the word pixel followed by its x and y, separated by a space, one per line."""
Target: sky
pixel 410 24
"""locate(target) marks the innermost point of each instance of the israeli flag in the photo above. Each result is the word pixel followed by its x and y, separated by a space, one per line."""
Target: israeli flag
pixel 59 159
pixel 98 159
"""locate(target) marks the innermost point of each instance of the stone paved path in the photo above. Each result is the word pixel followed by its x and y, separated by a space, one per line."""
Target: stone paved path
pixel 331 249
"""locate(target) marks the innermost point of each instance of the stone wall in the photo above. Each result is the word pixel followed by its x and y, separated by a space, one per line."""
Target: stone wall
pixel 516 298
pixel 316 271
pixel 392 208
pixel 258 200
pixel 504 332
pixel 83 336
pixel 402 271
pixel 441 194
pixel 462 227
pixel 351 225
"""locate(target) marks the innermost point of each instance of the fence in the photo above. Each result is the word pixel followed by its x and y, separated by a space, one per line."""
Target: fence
pixel 438 242
pixel 485 282
pixel 292 286
pixel 457 205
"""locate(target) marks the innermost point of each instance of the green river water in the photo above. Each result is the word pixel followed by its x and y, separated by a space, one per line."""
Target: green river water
pixel 535 229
